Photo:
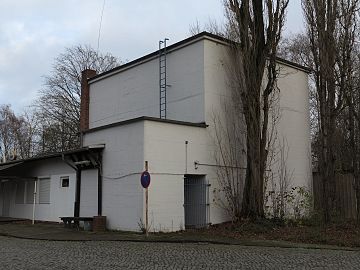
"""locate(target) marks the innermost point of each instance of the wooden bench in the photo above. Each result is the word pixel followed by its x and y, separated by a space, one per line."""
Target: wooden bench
pixel 70 222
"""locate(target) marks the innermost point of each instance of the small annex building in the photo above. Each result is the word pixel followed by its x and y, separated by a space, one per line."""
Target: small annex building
pixel 125 123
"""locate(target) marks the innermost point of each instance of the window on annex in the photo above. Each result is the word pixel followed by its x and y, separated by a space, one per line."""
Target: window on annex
pixel 65 182
pixel 30 191
pixel 44 190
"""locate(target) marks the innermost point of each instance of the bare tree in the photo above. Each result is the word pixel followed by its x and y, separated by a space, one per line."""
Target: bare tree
pixel 17 134
pixel 296 48
pixel 330 30
pixel 256 27
pixel 195 28
pixel 6 137
pixel 59 101
pixel 230 157
pixel 31 135
pixel 212 26
pixel 352 121
pixel 279 181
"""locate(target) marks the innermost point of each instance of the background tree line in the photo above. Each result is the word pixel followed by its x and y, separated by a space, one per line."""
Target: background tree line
pixel 330 48
pixel 51 123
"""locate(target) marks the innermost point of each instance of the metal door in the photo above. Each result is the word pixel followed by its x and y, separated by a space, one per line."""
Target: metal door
pixel 196 201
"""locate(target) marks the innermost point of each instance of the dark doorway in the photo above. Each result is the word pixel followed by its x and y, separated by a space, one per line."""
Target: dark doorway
pixel 196 201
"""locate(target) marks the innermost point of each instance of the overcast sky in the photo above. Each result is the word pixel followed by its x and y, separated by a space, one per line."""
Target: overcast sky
pixel 34 32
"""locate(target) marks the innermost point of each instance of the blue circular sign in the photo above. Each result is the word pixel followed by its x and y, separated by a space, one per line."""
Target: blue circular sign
pixel 145 179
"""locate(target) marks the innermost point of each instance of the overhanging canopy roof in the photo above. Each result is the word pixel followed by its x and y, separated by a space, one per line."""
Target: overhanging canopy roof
pixel 7 166
pixel 4 167
pixel 81 158
pixel 84 158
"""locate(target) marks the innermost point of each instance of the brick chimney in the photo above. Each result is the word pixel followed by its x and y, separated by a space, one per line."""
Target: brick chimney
pixel 85 98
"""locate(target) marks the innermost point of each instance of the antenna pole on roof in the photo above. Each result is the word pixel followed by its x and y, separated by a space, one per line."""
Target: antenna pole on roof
pixel 101 18
pixel 162 77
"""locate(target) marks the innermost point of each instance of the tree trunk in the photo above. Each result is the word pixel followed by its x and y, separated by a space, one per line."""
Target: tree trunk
pixel 253 202
pixel 357 193
pixel 257 26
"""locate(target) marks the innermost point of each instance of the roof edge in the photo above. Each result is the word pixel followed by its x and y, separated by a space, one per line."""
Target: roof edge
pixel 146 118
pixel 148 56
pixel 55 155
pixel 181 43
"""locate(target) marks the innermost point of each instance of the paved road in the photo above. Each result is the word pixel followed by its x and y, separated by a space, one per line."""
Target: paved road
pixel 33 254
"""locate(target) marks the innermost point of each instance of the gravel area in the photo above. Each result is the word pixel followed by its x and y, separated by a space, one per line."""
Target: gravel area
pixel 35 254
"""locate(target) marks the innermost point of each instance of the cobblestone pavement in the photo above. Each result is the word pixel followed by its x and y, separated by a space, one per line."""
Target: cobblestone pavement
pixel 34 254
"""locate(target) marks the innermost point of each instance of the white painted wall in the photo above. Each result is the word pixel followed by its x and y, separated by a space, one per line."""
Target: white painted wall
pixel 163 146
pixel 166 199
pixel 61 199
pixel 134 92
pixel 165 151
pixel 294 124
pixel 123 162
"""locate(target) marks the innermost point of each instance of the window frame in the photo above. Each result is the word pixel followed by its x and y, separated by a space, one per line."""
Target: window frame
pixel 40 179
pixel 62 178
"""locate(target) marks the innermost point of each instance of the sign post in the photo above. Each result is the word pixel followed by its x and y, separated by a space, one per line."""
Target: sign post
pixel 145 182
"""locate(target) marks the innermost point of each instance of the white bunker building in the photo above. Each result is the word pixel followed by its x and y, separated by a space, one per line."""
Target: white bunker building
pixel 125 121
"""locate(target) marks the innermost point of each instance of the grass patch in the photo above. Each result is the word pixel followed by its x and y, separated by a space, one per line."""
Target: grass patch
pixel 346 234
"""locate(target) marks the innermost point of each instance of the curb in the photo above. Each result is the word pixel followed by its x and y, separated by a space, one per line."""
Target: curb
pixel 265 243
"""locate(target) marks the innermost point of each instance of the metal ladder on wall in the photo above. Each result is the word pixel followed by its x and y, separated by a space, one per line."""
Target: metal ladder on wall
pixel 162 77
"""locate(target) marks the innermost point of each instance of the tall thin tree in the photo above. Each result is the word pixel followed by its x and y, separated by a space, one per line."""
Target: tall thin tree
pixel 330 29
pixel 256 27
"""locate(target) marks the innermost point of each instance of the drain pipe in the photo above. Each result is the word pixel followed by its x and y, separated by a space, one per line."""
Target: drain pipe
pixel 186 156
pixel 34 202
